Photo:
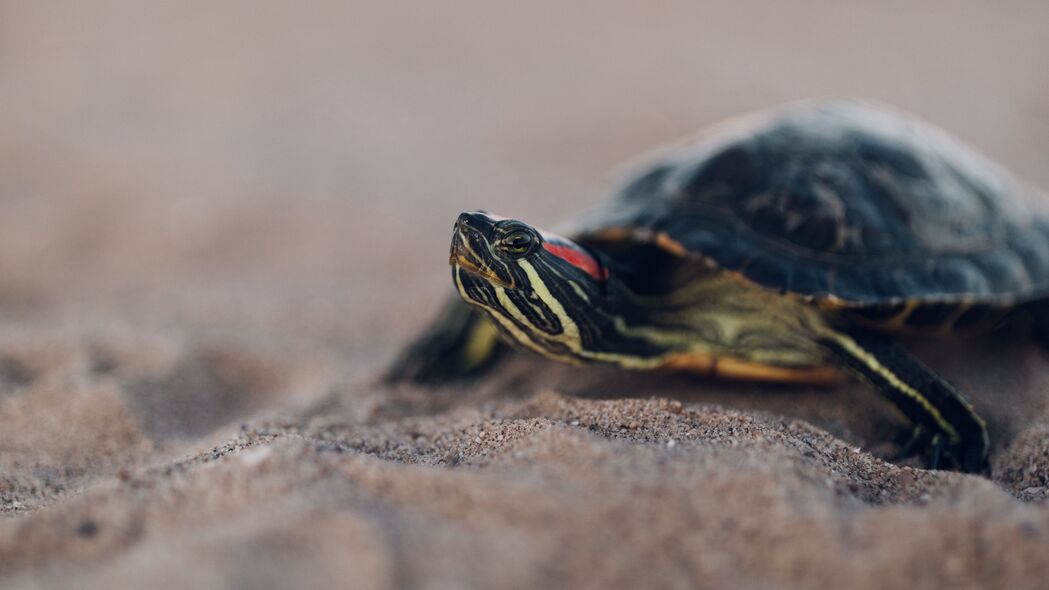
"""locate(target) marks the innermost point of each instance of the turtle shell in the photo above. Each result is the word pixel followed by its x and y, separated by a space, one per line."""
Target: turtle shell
pixel 841 202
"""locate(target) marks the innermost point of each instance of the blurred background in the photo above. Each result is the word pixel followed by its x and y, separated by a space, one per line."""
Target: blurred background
pixel 215 210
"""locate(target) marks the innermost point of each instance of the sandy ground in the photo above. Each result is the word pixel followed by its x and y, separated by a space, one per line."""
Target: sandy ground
pixel 218 223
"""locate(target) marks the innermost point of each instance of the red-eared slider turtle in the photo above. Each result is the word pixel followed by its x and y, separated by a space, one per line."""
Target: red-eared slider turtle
pixel 785 246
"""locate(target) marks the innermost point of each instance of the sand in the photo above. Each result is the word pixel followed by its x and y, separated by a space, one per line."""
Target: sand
pixel 218 224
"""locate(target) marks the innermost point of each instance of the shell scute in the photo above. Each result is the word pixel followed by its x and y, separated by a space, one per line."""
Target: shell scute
pixel 847 202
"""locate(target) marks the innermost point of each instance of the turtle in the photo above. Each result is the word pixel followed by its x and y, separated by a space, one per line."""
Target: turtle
pixel 796 244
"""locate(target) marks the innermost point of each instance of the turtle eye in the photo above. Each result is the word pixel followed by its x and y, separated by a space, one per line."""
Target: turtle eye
pixel 518 243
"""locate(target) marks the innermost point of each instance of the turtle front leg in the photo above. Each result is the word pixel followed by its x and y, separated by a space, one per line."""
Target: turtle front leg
pixel 954 431
pixel 459 343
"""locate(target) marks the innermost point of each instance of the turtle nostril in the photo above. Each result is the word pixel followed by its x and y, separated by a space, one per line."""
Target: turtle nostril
pixel 476 221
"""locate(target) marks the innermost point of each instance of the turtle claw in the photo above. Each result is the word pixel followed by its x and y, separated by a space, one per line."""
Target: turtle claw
pixel 920 439
pixel 938 452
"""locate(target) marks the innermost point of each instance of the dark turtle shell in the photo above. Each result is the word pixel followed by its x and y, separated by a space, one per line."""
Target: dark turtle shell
pixel 842 202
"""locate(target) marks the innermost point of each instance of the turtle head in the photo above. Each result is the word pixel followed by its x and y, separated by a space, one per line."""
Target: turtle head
pixel 538 287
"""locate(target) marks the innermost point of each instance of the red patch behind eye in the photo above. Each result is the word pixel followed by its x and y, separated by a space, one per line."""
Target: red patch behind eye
pixel 577 258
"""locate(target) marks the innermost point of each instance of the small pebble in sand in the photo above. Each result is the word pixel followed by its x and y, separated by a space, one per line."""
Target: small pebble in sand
pixel 87 528
pixel 256 455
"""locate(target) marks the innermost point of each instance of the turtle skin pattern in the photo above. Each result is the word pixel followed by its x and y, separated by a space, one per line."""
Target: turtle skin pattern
pixel 845 202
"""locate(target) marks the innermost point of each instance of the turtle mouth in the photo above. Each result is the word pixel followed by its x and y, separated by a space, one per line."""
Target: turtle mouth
pixel 464 256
